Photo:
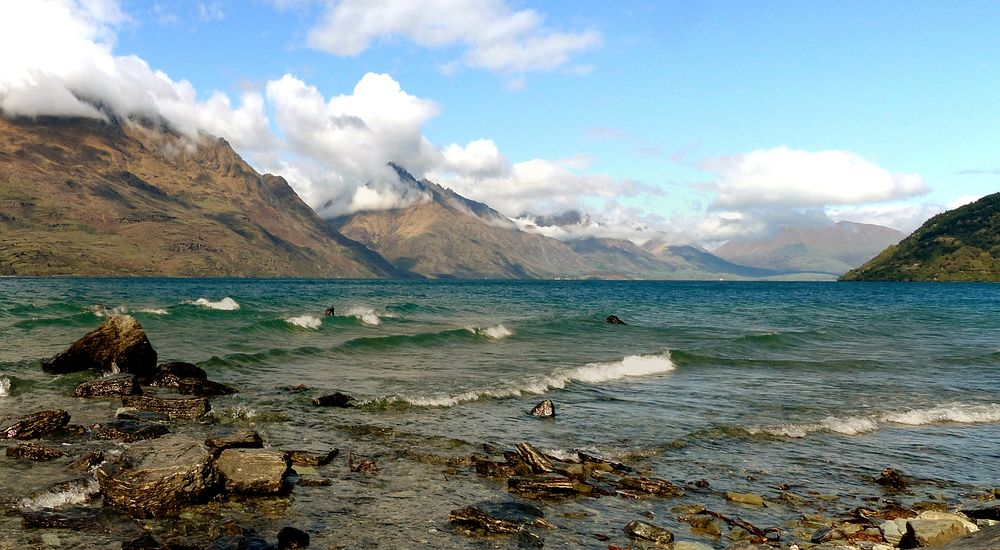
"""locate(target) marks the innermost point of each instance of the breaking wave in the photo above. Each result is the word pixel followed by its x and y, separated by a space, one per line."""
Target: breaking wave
pixel 367 316
pixel 496 332
pixel 77 493
pixel 225 304
pixel 593 373
pixel 305 321
pixel 153 311
pixel 4 386
pixel 103 311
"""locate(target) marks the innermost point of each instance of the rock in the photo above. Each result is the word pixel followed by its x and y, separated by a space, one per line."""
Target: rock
pixel 500 518
pixel 73 518
pixel 306 458
pixel 130 430
pixel 34 425
pixel 518 464
pixel 145 542
pixel 168 375
pixel 491 468
pixel 336 399
pixel 117 385
pixel 989 512
pixel 203 387
pixel 242 439
pixel 253 471
pixel 329 312
pixel 988 537
pixel 290 537
pixel 473 518
pixel 892 480
pixel 702 524
pixel 118 345
pixel 931 532
pixel 175 408
pixel 158 477
pixel 602 463
pixel 87 461
pixel 686 509
pixel 544 486
pixel 534 458
pixel 687 545
pixel 33 451
pixel 544 409
pixel 241 542
pixel 313 481
pixel 647 531
pixel 969 526
pixel 893 530
pixel 744 498
pixel 128 413
pixel 614 320
pixel 658 487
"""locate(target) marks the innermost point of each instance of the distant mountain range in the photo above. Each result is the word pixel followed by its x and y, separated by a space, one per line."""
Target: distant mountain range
pixel 958 245
pixel 86 197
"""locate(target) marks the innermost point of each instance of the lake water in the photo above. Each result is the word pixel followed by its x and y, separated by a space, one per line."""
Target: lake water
pixel 747 385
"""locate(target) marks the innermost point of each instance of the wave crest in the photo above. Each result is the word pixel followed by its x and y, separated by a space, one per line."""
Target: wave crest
pixel 365 315
pixel 225 304
pixel 305 321
pixel 77 493
pixel 4 386
pixel 495 332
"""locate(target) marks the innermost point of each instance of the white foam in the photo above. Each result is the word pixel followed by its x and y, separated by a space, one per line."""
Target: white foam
pixel 225 304
pixel 496 332
pixel 154 311
pixel 830 424
pixel 75 494
pixel 593 373
pixel 305 321
pixel 964 414
pixel 365 315
pixel 857 425
pixel 102 311
pixel 4 386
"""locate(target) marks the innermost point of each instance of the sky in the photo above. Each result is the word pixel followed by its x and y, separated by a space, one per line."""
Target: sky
pixel 689 121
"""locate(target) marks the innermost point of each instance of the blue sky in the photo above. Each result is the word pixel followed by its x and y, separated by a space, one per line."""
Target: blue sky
pixel 695 120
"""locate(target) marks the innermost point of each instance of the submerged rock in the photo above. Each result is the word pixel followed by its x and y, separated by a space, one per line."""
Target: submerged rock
pixel 545 409
pixel 203 387
pixel 168 375
pixel 647 531
pixel 73 518
pixel 118 345
pixel 744 498
pixel 118 385
pixel 241 542
pixel 290 537
pixel 174 408
pixel 892 480
pixel 306 458
pixel 130 431
pixel 33 451
pixel 158 477
pixel 253 471
pixel 614 320
pixel 34 425
pixel 242 439
pixel 503 518
pixel 336 399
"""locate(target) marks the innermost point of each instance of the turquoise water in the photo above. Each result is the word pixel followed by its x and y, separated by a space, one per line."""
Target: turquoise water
pixel 747 385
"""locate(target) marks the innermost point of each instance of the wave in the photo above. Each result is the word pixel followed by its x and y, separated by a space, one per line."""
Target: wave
pixel 857 425
pixel 496 332
pixel 153 311
pixel 305 321
pixel 225 304
pixel 4 386
pixel 593 373
pixel 104 311
pixel 367 316
pixel 76 493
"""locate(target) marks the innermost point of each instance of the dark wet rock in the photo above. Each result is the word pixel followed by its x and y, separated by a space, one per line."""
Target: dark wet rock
pixel 73 430
pixel 175 408
pixel 547 486
pixel 306 458
pixel 168 375
pixel 989 512
pixel 602 463
pixel 892 480
pixel 149 542
pixel 647 531
pixel 140 416
pixel 241 542
pixel 329 312
pixel 506 518
pixel 494 469
pixel 253 471
pixel 240 439
pixel 336 399
pixel 545 409
pixel 652 486
pixel 203 387
pixel 158 477
pixel 518 464
pixel 702 524
pixel 81 519
pixel 35 425
pixel 614 320
pixel 290 537
pixel 539 464
pixel 33 451
pixel 116 385
pixel 130 431
pixel 313 481
pixel 87 461
pixel 118 345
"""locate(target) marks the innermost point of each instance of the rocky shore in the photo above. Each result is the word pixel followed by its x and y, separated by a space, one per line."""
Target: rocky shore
pixel 162 474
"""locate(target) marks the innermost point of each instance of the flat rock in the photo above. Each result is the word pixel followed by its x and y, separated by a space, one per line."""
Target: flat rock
pixel 33 451
pixel 307 458
pixel 175 408
pixel 988 512
pixel 130 431
pixel 546 486
pixel 652 486
pixel 159 477
pixel 34 425
pixel 336 399
pixel 128 413
pixel 203 387
pixel 931 532
pixel 79 519
pixel 647 531
pixel 116 385
pixel 118 345
pixel 168 375
pixel 744 498
pixel 544 409
pixel 241 439
pixel 253 471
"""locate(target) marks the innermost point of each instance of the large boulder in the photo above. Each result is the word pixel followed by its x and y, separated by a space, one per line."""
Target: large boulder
pixel 118 345
pixel 34 425
pixel 159 477
pixel 253 471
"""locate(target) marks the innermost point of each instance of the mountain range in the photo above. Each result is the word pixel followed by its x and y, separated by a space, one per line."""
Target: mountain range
pixel 132 197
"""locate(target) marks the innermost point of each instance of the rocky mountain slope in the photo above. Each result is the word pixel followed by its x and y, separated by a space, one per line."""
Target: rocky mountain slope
pixel 831 249
pixel 85 197
pixel 958 245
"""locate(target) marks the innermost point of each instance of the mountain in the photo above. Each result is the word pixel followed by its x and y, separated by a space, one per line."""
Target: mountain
pixel 831 249
pixel 958 245
pixel 658 260
pixel 87 197
pixel 446 235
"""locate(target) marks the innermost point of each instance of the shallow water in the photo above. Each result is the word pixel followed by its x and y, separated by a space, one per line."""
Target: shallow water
pixel 815 385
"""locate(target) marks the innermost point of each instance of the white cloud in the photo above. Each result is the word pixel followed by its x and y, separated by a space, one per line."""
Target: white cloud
pixel 796 178
pixel 496 37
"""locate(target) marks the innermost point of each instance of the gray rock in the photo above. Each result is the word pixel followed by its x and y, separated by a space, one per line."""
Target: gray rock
pixel 34 425
pixel 159 477
pixel 893 530
pixel 253 471
pixel 184 408
pixel 544 409
pixel 931 532
pixel 987 537
pixel 116 385
pixel 118 345
pixel 647 531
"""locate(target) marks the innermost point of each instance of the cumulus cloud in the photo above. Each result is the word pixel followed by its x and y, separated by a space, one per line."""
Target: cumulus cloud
pixel 495 36
pixel 796 178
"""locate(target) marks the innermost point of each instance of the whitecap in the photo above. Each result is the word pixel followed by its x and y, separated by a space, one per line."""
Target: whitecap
pixel 365 315
pixel 831 424
pixel 957 413
pixel 305 321
pixel 153 311
pixel 103 311
pixel 4 386
pixel 225 304
pixel 496 332
pixel 74 494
